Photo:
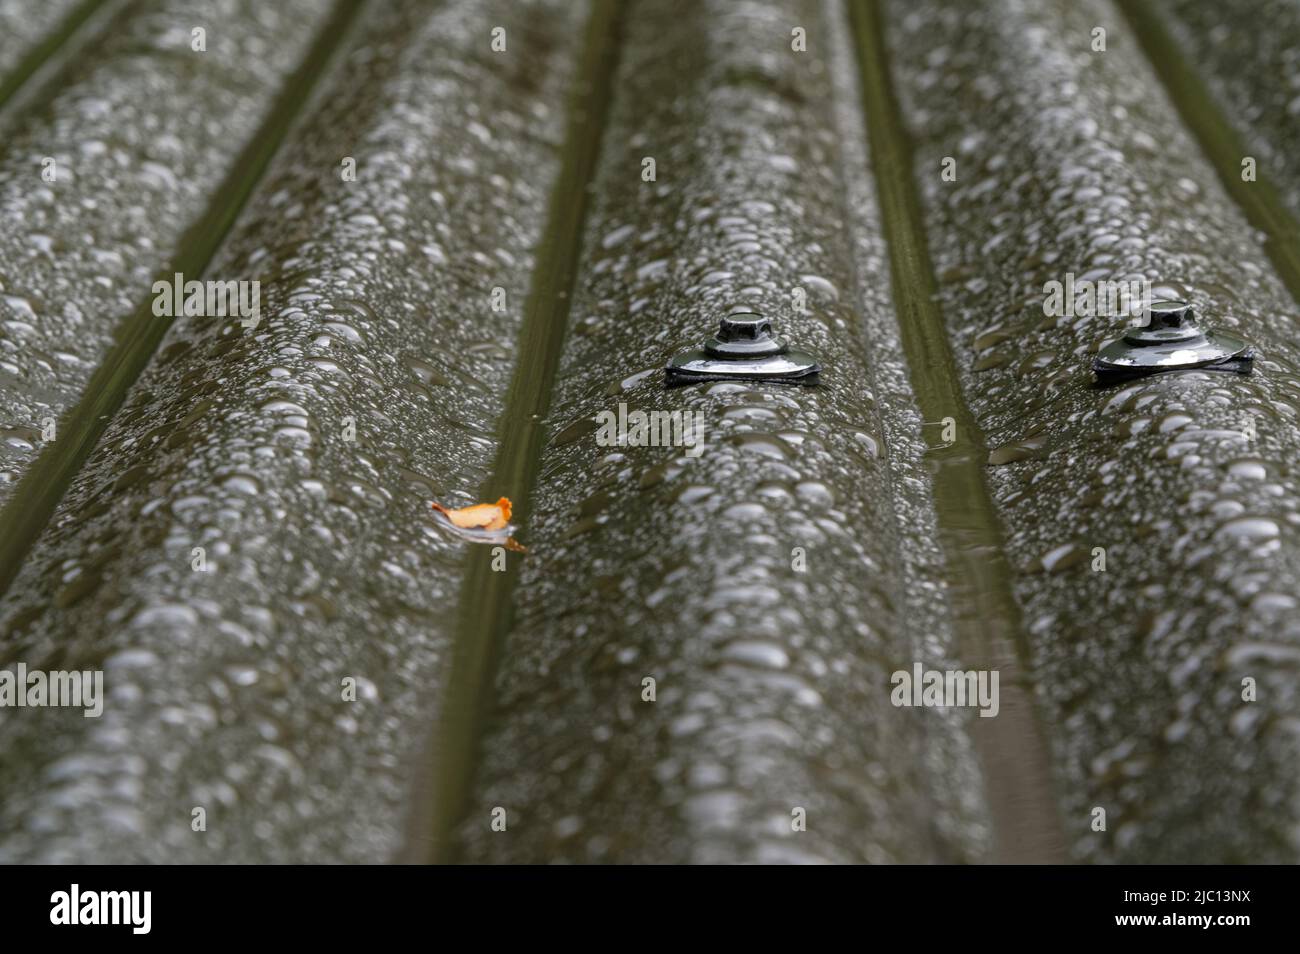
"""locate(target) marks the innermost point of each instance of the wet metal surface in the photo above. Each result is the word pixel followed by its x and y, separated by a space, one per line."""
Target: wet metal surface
pixel 988 624
pixel 28 33
pixel 489 229
pixel 1074 161
pixel 24 26
pixel 1262 186
pixel 762 585
pixel 1248 53
pixel 302 456
pixel 141 132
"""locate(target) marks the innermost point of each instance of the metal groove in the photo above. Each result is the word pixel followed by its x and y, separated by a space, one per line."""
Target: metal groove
pixel 990 634
pixel 41 489
pixel 912 624
pixel 45 52
pixel 1201 114
pixel 485 609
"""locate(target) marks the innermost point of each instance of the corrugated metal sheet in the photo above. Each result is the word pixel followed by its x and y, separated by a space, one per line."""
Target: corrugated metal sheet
pixel 479 230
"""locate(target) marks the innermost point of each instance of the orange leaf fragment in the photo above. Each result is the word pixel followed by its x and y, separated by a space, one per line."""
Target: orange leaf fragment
pixel 480 516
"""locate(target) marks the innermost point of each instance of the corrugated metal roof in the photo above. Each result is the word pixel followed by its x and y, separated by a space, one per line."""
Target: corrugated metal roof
pixel 478 231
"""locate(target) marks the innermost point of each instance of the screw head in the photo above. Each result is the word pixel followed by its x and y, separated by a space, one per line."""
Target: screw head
pixel 745 349
pixel 744 335
pixel 1169 321
pixel 1171 340
pixel 1170 313
pixel 744 326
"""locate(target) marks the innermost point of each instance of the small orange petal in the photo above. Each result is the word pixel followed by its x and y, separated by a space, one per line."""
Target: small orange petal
pixel 480 516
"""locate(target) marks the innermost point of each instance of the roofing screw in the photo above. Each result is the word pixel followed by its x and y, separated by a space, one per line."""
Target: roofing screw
pixel 1172 340
pixel 745 349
